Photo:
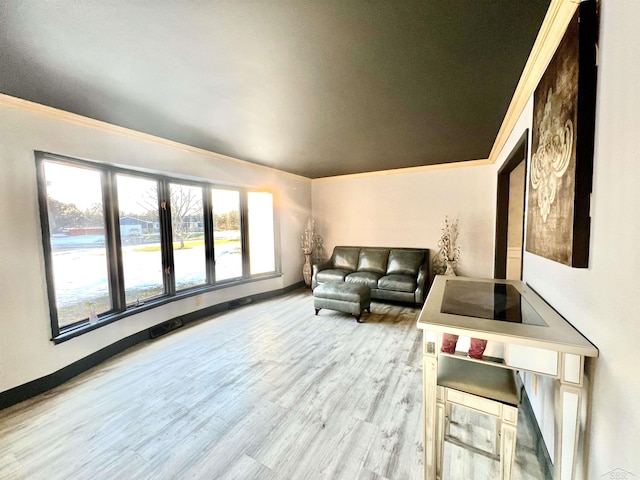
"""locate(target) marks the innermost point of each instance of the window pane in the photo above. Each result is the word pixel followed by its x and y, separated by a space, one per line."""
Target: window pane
pixel 226 228
pixel 140 237
pixel 77 236
pixel 261 241
pixel 187 222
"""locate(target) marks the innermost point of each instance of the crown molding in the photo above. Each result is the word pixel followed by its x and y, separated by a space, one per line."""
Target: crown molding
pixel 73 118
pixel 407 170
pixel 555 23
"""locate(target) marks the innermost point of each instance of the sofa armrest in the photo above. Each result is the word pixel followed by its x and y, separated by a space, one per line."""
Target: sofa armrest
pixel 422 281
pixel 318 267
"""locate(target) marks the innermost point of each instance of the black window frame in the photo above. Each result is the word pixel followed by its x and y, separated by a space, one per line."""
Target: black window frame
pixel 113 242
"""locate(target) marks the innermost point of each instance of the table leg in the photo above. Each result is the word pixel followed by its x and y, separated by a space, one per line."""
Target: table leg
pixel 570 395
pixel 508 435
pixel 443 415
pixel 430 380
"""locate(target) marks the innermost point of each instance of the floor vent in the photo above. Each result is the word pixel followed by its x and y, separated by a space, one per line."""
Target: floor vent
pixel 165 327
pixel 241 302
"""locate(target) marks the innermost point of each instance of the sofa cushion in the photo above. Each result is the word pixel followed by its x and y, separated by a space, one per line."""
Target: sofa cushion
pixel 331 275
pixel 373 260
pixel 369 279
pixel 405 262
pixel 346 258
pixel 398 282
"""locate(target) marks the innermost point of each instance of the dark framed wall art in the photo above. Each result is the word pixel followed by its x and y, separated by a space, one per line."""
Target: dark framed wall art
pixel 561 169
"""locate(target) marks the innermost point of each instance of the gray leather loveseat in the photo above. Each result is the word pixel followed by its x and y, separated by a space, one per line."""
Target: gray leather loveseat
pixel 400 274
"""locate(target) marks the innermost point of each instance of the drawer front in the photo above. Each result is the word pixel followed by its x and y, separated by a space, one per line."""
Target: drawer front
pixel 532 359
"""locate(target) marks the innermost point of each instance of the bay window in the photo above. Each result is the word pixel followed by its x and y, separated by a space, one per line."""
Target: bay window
pixel 118 241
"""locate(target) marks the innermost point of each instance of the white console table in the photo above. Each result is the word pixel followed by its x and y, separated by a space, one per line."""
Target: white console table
pixel 542 342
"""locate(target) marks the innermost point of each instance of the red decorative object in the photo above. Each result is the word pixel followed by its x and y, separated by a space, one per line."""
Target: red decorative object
pixel 477 348
pixel 449 343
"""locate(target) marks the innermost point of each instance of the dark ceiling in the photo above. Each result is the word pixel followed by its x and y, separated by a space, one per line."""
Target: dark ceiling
pixel 313 87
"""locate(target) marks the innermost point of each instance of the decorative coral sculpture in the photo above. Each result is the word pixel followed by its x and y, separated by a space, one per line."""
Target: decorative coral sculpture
pixel 449 254
pixel 308 238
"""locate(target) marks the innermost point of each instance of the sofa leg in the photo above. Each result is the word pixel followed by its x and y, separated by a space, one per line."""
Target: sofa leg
pixel 317 310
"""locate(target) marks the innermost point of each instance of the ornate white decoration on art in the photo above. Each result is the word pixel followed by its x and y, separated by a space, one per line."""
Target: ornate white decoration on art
pixel 551 159
pixel 445 262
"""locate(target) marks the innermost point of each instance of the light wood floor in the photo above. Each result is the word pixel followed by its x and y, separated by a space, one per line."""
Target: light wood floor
pixel 267 391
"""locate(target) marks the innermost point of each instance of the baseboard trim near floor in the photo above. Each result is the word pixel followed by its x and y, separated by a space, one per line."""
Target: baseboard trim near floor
pixel 540 447
pixel 43 384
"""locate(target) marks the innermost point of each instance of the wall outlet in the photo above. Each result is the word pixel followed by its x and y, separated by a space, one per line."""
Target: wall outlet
pixel 198 300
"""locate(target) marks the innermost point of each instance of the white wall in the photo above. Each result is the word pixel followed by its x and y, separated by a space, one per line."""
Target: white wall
pixel 407 209
pixel 603 301
pixel 26 353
